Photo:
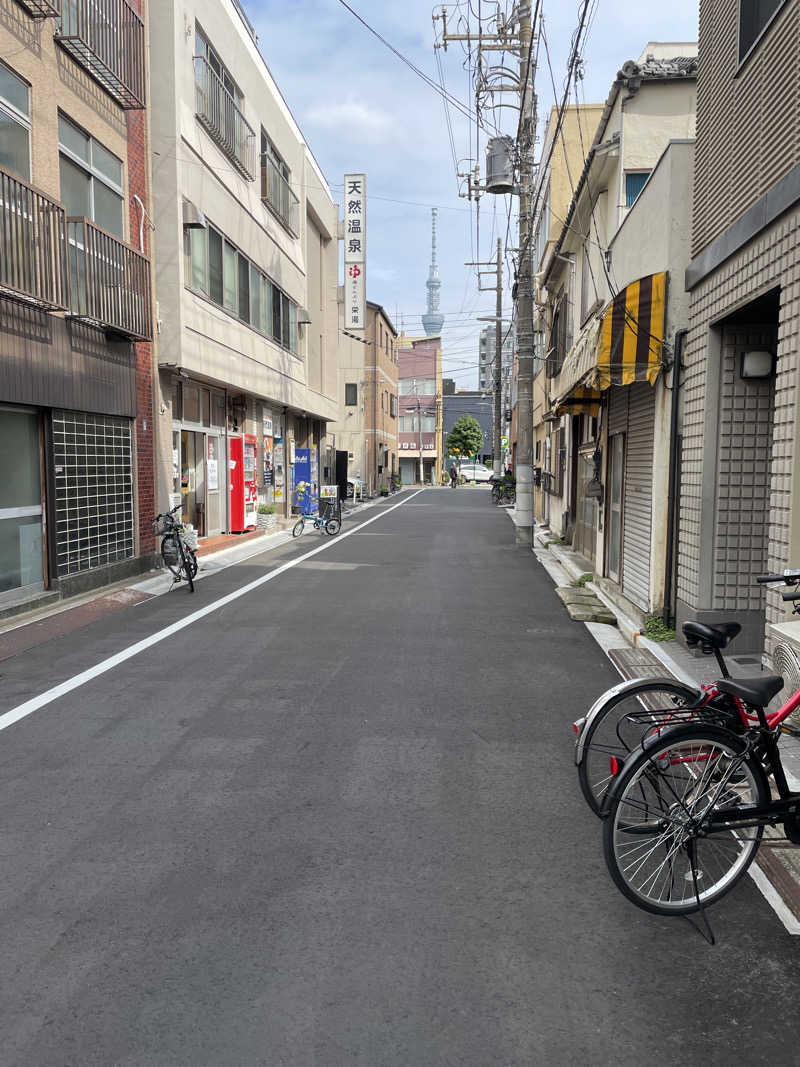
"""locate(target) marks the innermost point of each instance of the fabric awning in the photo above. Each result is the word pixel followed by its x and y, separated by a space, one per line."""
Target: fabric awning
pixel 621 346
pixel 632 335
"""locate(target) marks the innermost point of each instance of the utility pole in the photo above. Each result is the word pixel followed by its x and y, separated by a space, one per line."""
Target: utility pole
pixel 523 512
pixel 498 361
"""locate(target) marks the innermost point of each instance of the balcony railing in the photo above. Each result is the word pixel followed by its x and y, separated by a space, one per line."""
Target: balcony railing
pixel 219 114
pixel 107 38
pixel 279 196
pixel 41 9
pixel 109 281
pixel 32 251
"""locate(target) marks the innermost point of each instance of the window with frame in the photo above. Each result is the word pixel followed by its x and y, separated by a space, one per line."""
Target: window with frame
pixel 91 178
pixel 350 394
pixel 635 181
pixel 754 18
pixel 393 406
pixel 218 270
pixel 15 123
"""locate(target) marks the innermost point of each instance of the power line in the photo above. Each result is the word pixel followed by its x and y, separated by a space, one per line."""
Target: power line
pixel 464 109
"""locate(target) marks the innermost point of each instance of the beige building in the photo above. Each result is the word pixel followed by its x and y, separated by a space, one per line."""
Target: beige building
pixel 563 155
pixel 76 363
pixel 616 313
pixel 740 478
pixel 246 273
pixel 367 392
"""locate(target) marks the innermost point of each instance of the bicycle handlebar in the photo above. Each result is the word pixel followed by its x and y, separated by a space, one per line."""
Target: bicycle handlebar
pixel 787 577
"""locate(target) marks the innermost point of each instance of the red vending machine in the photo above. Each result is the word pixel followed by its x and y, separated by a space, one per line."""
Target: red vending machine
pixel 243 482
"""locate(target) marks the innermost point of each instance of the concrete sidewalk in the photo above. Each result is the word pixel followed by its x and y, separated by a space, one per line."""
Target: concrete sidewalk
pixel 635 655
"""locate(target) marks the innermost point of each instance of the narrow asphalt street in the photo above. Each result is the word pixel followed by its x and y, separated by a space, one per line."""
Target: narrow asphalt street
pixel 336 821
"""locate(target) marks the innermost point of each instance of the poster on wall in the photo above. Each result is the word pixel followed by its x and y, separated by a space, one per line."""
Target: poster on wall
pixel 267 425
pixel 268 471
pixel 278 469
pixel 305 493
pixel 212 466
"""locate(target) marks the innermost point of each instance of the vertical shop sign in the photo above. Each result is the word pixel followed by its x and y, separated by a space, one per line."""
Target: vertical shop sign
pixel 355 251
pixel 279 473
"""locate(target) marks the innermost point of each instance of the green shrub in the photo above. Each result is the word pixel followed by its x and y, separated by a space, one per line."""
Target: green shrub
pixel 583 580
pixel 657 630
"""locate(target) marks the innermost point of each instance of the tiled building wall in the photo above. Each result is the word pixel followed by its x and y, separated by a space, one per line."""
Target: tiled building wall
pixel 743 474
pixel 771 260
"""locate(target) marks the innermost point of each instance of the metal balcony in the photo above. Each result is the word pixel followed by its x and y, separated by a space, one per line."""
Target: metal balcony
pixel 107 38
pixel 33 266
pixel 109 281
pixel 278 195
pixel 41 9
pixel 218 112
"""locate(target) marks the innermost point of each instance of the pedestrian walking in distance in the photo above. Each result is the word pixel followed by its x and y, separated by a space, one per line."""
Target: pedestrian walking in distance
pixel 453 476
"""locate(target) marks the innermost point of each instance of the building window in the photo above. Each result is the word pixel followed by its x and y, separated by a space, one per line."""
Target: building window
pixel 91 178
pixel 350 394
pixel 634 183
pixel 417 386
pixel 393 406
pixel 754 17
pixel 15 124
pixel 219 103
pixel 429 423
pixel 227 277
pixel 276 189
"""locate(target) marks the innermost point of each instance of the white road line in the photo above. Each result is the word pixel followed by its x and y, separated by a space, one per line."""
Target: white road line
pixel 35 703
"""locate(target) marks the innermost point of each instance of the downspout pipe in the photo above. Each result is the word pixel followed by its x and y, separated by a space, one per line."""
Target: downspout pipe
pixel 672 503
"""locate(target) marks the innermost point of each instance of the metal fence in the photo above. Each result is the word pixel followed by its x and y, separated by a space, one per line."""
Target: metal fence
pixel 278 195
pixel 109 281
pixel 107 38
pixel 32 252
pixel 220 115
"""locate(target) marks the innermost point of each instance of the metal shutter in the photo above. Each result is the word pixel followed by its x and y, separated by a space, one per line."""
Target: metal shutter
pixel 618 410
pixel 637 494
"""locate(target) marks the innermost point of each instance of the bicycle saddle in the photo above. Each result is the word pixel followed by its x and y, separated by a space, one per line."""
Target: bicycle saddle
pixel 756 691
pixel 698 633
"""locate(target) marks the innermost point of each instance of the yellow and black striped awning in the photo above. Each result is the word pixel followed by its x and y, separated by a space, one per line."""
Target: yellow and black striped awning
pixel 582 400
pixel 630 347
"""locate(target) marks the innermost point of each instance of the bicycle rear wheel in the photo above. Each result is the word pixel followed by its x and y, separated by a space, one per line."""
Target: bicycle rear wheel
pixel 654 837
pixel 620 726
pixel 298 528
pixel 332 527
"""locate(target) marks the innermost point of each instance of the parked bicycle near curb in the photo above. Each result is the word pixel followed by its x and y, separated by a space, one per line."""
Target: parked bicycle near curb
pixel 176 552
pixel 330 524
pixel 685 814
pixel 504 489
pixel 628 713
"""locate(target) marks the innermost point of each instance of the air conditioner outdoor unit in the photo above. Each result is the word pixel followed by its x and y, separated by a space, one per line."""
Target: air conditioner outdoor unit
pixel 785 660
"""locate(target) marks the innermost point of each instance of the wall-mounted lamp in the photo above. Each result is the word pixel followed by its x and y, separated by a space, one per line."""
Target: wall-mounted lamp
pixel 756 364
pixel 303 317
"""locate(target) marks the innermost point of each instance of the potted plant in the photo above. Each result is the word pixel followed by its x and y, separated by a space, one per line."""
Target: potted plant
pixel 384 489
pixel 266 517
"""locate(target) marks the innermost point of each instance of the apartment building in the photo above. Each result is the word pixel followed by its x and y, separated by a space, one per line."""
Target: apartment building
pixel 246 270
pixel 76 365
pixel 366 427
pixel 420 406
pixel 562 159
pixel 615 310
pixel 740 488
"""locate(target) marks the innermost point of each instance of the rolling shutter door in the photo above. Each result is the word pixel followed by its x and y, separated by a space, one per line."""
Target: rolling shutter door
pixel 638 494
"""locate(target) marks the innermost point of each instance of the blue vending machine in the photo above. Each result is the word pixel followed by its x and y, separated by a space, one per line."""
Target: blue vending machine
pixel 305 485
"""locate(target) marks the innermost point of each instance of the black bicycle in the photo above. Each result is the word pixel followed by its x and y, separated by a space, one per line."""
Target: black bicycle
pixel 176 553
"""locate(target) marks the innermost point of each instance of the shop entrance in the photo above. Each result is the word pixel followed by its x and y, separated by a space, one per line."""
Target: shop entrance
pixel 21 540
pixel 198 475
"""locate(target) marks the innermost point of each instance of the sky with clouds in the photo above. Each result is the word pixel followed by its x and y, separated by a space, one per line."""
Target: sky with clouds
pixel 361 109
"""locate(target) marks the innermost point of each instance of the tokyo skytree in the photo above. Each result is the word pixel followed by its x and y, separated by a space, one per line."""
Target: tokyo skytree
pixel 433 319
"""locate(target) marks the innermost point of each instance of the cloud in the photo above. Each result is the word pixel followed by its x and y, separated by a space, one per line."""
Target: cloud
pixel 354 119
pixel 362 109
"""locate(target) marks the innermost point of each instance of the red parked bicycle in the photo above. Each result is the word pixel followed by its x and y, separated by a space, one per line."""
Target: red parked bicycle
pixel 686 812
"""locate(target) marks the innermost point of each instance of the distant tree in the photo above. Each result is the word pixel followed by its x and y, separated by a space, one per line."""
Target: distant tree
pixel 466 437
